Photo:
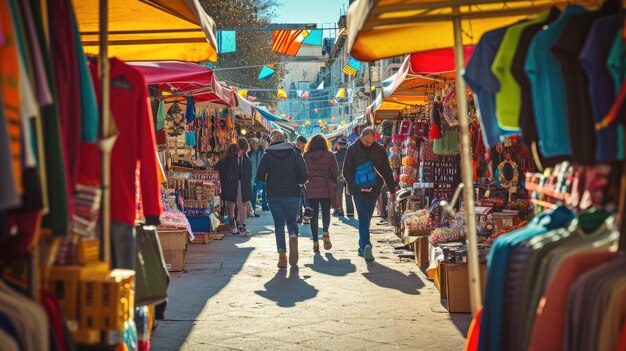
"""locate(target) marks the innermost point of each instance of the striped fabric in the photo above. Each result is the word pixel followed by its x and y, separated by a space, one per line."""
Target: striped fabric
pixel 288 41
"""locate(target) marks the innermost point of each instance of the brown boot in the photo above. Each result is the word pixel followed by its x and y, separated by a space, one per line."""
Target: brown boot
pixel 327 244
pixel 282 260
pixel 316 246
pixel 293 250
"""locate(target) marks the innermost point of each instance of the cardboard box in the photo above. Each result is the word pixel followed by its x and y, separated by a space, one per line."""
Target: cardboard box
pixel 201 238
pixel 64 283
pixel 174 245
pixel 457 289
pixel 117 299
pixel 90 304
pixel 441 280
pixel 88 251
pixel 420 247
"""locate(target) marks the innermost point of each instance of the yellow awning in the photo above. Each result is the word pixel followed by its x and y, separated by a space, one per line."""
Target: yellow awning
pixel 387 28
pixel 150 30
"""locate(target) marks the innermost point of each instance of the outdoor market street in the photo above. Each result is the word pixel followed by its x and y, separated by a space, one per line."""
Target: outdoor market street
pixel 231 296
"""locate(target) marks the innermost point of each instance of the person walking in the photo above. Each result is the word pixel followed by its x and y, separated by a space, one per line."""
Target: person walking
pixel 300 143
pixel 283 170
pixel 366 168
pixel 342 194
pixel 255 154
pixel 231 171
pixel 244 187
pixel 321 186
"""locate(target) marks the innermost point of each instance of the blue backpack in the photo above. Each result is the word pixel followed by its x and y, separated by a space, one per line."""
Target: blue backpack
pixel 365 176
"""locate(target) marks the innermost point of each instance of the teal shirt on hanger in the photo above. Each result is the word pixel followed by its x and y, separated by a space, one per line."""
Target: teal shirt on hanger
pixel 548 88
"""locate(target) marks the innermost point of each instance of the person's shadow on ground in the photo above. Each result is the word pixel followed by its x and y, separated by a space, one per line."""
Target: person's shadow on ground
pixel 331 265
pixel 287 291
pixel 392 279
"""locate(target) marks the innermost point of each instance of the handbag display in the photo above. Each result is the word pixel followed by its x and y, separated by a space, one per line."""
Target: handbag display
pixel 151 277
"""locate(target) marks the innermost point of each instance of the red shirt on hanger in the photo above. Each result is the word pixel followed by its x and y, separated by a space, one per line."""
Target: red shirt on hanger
pixel 135 147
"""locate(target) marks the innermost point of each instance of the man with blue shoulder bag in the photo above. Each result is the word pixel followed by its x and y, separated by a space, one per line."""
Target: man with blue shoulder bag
pixel 365 169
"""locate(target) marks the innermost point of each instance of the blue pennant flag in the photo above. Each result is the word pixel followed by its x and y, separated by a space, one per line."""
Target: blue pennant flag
pixel 314 38
pixel 266 73
pixel 226 41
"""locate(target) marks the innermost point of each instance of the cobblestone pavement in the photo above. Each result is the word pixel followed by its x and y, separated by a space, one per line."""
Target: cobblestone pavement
pixel 231 296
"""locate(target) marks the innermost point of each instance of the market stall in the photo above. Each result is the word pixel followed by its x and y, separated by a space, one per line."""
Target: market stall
pixel 81 175
pixel 522 75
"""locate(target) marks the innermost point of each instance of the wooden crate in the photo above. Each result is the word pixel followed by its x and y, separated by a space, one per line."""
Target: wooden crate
pixel 215 236
pixel 201 238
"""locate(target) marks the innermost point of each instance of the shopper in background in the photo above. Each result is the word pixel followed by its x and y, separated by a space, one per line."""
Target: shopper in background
pixel 255 154
pixel 366 168
pixel 244 187
pixel 300 144
pixel 229 179
pixel 321 186
pixel 340 155
pixel 283 170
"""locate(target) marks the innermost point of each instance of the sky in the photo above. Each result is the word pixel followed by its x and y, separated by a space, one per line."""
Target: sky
pixel 310 11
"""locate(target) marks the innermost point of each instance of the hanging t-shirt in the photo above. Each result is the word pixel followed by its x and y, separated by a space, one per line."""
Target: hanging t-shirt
pixel 9 85
pixel 548 88
pixel 601 86
pixel 9 198
pixel 90 117
pixel 616 62
pixel 498 261
pixel 508 98
pixel 527 113
pixel 484 84
pixel 567 49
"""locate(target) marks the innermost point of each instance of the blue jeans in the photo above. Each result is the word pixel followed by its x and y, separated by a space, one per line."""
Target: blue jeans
pixel 284 211
pixel 259 186
pixel 365 205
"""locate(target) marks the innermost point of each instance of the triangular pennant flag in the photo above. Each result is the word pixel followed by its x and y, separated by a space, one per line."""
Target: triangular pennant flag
pixel 287 41
pixel 315 110
pixel 281 94
pixel 351 71
pixel 282 115
pixel 314 37
pixel 243 93
pixel 321 86
pixel 350 91
pixel 272 111
pixel 333 118
pixel 354 63
pixel 333 101
pixel 251 98
pixel 226 41
pixel 266 72
pixel 305 95
pixel 300 92
pixel 341 93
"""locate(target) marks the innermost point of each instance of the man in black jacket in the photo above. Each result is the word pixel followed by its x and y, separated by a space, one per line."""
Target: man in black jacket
pixel 283 170
pixel 361 151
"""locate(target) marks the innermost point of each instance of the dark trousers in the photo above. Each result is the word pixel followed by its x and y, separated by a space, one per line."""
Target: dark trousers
pixel 315 205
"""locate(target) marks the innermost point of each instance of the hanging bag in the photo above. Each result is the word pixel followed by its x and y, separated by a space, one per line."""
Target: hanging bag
pixel 448 144
pixel 151 278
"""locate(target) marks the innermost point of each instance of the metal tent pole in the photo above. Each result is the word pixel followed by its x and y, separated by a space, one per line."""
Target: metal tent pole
pixel 466 168
pixel 105 116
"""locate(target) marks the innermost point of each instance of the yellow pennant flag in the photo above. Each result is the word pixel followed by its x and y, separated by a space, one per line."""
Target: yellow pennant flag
pixel 341 94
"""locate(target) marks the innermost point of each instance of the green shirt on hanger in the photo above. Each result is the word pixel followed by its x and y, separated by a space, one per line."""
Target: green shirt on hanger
pixel 616 68
pixel 509 97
